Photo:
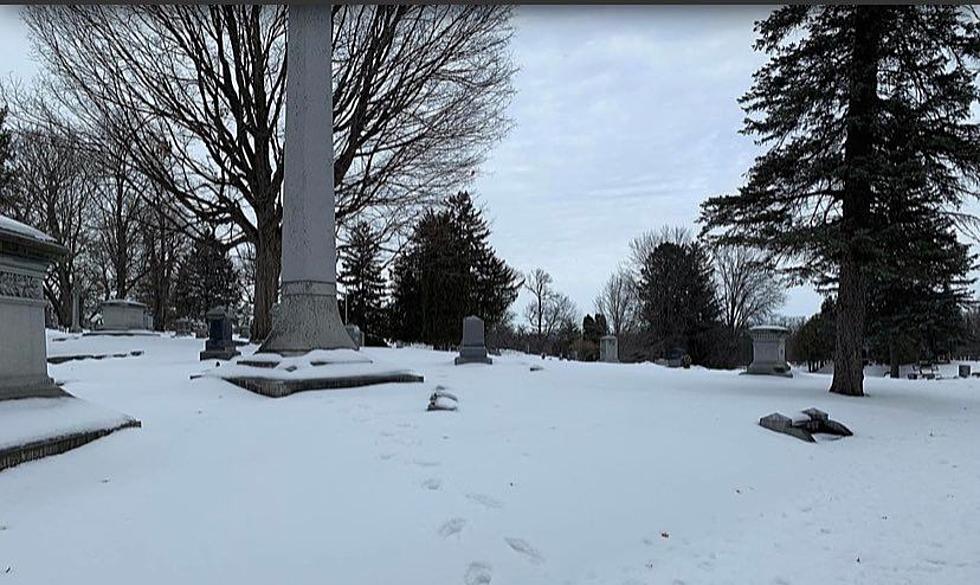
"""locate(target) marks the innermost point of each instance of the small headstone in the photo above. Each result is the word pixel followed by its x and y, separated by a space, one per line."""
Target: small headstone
pixel 184 327
pixel 356 335
pixel 769 351
pixel 219 344
pixel 473 348
pixel 609 349
pixel 964 370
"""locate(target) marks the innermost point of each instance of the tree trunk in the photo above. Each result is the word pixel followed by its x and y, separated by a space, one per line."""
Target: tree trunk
pixel 893 358
pixel 268 263
pixel 858 149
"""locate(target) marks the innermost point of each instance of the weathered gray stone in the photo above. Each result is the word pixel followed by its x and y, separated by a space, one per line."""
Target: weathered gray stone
pixel 25 255
pixel 769 351
pixel 356 335
pixel 76 322
pixel 609 349
pixel 817 422
pixel 473 348
pixel 125 315
pixel 442 400
pixel 219 344
pixel 307 317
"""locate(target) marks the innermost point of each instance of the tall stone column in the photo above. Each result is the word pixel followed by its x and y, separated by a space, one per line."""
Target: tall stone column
pixel 76 324
pixel 307 316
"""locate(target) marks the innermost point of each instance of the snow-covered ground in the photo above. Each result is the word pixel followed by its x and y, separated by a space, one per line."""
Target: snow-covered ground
pixel 578 473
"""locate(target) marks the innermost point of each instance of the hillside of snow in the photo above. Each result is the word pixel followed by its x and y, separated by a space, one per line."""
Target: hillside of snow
pixel 575 474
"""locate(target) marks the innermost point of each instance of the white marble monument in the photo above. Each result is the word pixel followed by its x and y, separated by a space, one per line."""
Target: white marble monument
pixel 125 315
pixel 25 254
pixel 769 351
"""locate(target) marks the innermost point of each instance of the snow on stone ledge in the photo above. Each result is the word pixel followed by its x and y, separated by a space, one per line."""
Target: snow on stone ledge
pixel 318 363
pixel 13 226
pixel 35 419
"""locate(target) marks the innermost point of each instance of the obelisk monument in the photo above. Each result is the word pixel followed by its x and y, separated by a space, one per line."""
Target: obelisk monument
pixel 307 317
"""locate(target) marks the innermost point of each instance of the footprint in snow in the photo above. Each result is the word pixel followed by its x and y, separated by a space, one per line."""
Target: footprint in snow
pixel 484 500
pixel 477 574
pixel 433 483
pixel 451 527
pixel 422 463
pixel 520 545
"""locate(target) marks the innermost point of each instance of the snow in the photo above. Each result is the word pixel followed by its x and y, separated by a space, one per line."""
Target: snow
pixel 577 473
pixel 10 225
pixel 34 419
pixel 313 365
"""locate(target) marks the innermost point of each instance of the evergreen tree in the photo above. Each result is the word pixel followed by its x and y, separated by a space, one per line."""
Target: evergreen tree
pixel 364 284
pixel 447 272
pixel 863 108
pixel 914 308
pixel 814 342
pixel 679 304
pixel 206 278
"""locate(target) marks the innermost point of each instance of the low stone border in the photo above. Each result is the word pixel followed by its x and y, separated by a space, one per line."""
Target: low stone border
pixel 16 455
pixel 60 359
pixel 279 388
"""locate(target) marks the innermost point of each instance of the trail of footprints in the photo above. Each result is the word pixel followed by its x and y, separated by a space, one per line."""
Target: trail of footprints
pixel 477 572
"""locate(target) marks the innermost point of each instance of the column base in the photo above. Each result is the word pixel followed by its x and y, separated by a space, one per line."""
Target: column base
pixel 306 319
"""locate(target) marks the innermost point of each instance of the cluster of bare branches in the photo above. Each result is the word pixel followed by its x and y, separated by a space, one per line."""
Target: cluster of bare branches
pixel 195 96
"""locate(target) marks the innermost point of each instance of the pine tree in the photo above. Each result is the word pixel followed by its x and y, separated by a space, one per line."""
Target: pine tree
pixel 363 280
pixel 679 304
pixel 206 278
pixel 447 272
pixel 862 107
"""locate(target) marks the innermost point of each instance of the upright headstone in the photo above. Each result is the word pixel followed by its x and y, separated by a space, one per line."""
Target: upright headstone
pixel 308 317
pixel 356 335
pixel 25 254
pixel 76 319
pixel 219 344
pixel 609 349
pixel 769 351
pixel 473 349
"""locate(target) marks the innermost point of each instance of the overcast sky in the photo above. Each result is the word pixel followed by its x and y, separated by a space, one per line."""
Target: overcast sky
pixel 625 120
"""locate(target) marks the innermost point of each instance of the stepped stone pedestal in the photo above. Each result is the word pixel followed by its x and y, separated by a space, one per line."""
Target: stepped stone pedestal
pixel 769 351
pixel 25 254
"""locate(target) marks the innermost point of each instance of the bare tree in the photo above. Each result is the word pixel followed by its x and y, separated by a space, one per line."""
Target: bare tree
pixel 644 244
pixel 617 301
pixel 548 309
pixel 53 189
pixel 419 96
pixel 538 283
pixel 748 287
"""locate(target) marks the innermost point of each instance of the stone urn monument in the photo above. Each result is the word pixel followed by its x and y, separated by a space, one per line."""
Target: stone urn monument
pixel 769 351
pixel 25 254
